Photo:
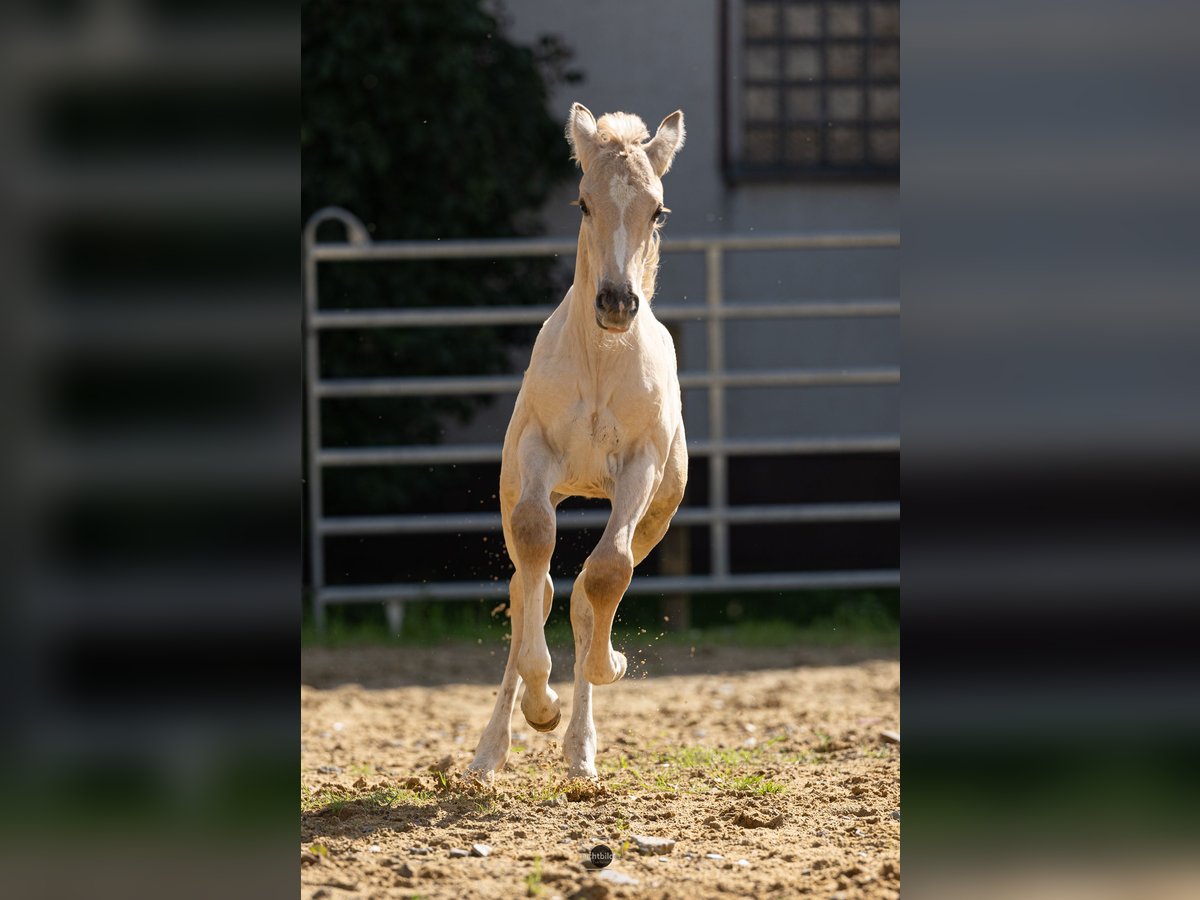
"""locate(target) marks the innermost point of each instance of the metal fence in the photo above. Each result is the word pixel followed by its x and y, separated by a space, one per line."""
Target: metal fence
pixel 718 448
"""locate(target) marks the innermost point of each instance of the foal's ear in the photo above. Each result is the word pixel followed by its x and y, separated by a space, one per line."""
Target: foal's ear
pixel 666 143
pixel 581 133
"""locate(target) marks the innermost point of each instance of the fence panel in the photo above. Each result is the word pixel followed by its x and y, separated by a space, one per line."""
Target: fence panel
pixel 719 449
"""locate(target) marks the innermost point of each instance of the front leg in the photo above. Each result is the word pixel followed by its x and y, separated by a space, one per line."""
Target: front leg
pixel 530 533
pixel 609 568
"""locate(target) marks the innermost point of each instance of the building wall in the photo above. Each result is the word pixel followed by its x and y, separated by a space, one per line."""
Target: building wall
pixel 651 59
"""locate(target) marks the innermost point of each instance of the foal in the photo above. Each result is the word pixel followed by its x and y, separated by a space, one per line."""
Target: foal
pixel 598 415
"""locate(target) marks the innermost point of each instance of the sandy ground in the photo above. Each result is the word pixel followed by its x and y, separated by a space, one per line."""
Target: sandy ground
pixel 768 768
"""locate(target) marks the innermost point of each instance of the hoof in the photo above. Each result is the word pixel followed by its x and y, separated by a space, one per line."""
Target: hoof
pixel 483 776
pixel 583 770
pixel 546 726
pixel 617 666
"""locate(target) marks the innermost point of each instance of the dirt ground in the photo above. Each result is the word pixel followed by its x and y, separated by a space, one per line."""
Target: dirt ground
pixel 768 768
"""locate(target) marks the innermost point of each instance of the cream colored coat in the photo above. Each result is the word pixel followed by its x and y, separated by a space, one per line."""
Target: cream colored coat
pixel 599 414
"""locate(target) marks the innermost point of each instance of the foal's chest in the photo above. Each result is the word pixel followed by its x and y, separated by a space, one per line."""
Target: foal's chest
pixel 595 434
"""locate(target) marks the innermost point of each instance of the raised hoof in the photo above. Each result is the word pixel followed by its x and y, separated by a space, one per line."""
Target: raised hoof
pixel 615 671
pixel 545 726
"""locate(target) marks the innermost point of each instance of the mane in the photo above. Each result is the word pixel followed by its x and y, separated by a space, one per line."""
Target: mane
pixel 650 271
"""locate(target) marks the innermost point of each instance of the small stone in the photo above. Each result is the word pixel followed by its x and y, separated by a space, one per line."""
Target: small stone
pixel 480 849
pixel 654 846
pixel 404 870
pixel 421 851
pixel 458 853
pixel 713 856
pixel 320 893
pixel 743 862
pixel 374 848
pixel 330 770
pixel 890 737
pixel 896 814
pixel 614 877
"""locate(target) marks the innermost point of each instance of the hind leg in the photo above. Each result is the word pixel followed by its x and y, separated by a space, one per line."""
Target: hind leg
pixel 579 743
pixel 492 751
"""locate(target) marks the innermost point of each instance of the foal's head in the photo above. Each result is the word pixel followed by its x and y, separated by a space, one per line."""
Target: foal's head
pixel 621 199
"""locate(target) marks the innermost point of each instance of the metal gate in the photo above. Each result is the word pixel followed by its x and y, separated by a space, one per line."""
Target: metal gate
pixel 718 449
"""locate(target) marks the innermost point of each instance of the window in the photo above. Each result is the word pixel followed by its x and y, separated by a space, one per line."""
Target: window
pixel 812 88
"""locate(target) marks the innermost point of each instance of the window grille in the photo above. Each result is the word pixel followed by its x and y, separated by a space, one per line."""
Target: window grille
pixel 811 88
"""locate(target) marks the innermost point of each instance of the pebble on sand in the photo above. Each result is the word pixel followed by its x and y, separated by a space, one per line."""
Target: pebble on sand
pixel 615 877
pixel 654 846
pixel 480 849
pixel 458 853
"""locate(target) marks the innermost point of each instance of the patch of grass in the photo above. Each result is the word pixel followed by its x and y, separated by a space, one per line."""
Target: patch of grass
pixel 703 770
pixel 709 757
pixel 334 799
pixel 755 784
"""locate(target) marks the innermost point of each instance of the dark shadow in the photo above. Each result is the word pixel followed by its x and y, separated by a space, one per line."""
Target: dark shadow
pixel 381 666
pixel 363 815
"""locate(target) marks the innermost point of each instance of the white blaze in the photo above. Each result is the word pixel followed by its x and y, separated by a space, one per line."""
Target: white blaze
pixel 622 194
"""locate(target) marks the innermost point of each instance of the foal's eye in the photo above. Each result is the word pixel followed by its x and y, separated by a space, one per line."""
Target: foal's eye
pixel 582 206
pixel 660 215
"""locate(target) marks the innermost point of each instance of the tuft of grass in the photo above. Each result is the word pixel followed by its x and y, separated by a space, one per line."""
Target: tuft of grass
pixel 533 881
pixel 755 784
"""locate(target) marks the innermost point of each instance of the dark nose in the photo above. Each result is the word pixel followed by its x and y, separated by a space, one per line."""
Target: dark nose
pixel 616 305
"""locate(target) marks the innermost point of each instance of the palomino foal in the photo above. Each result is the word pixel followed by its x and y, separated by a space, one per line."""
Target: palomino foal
pixel 598 415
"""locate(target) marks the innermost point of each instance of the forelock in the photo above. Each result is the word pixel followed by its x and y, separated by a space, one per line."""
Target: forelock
pixel 621 129
pixel 620 148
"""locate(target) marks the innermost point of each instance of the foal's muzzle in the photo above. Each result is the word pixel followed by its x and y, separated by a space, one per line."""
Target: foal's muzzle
pixel 616 306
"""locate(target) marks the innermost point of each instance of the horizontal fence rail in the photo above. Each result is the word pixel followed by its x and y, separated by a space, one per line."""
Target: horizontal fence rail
pixel 718 515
